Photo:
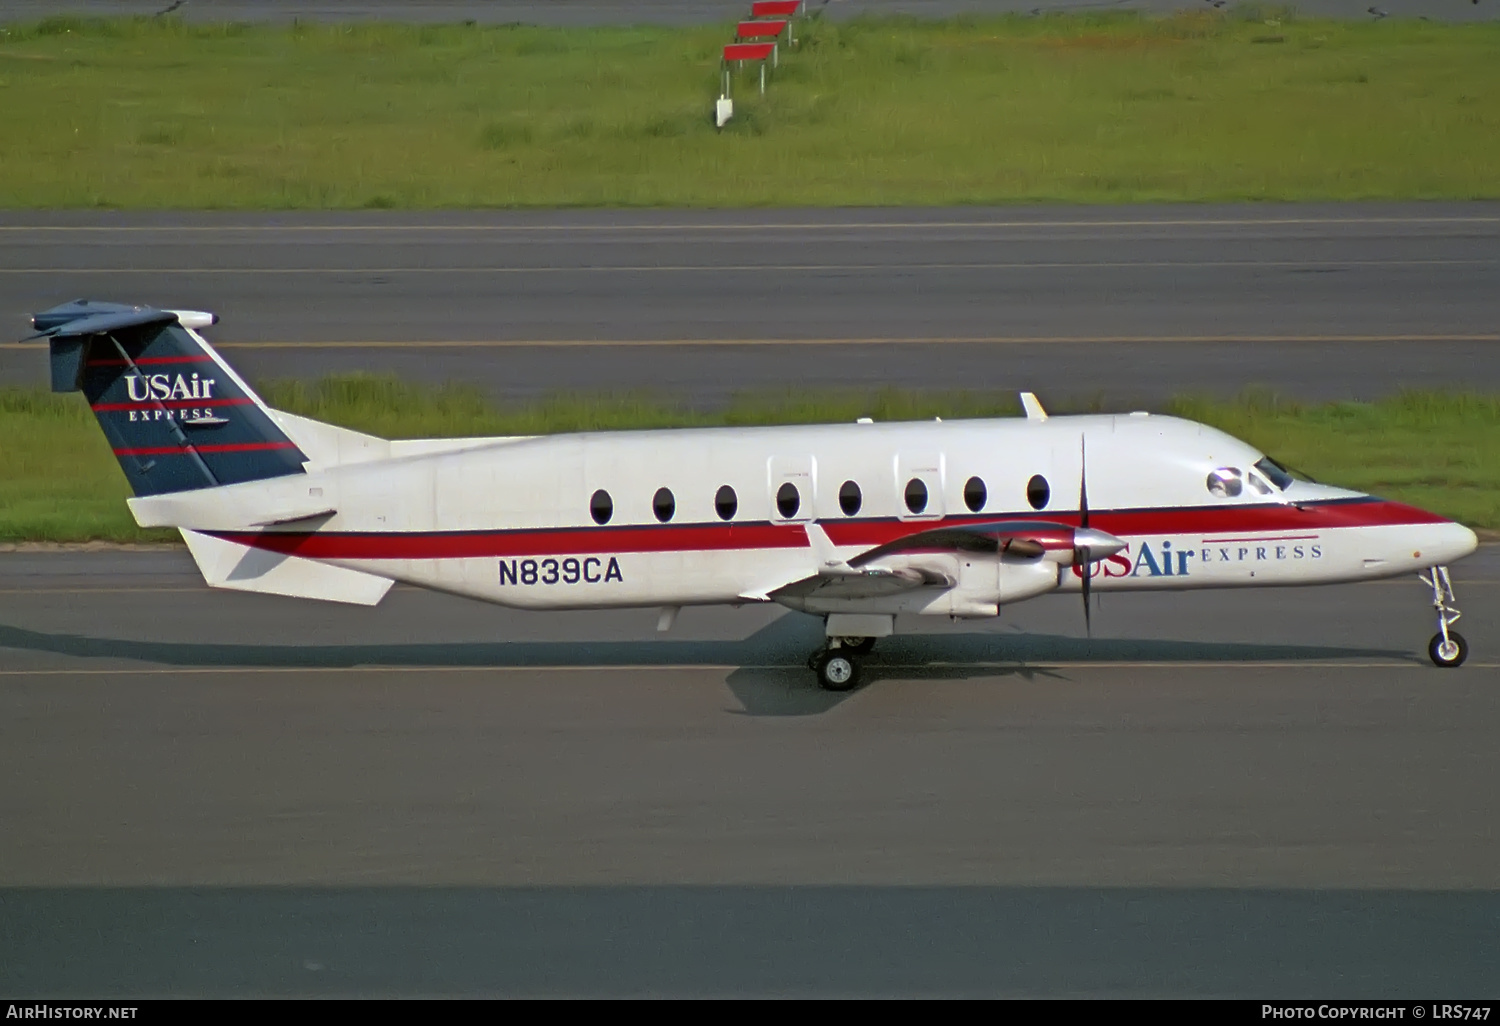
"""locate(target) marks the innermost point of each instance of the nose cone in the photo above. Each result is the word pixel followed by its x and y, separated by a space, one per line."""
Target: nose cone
pixel 1449 542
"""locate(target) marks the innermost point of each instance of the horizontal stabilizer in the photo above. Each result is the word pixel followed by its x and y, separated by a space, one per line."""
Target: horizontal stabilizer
pixel 225 564
pixel 82 323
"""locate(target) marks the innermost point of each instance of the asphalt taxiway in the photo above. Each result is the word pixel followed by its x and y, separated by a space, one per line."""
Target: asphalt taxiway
pixel 1221 793
pixel 1128 304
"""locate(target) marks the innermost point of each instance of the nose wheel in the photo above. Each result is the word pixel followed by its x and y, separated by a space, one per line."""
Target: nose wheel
pixel 1447 647
pixel 1449 651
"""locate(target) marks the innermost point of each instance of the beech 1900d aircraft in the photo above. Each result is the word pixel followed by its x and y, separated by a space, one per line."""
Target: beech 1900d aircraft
pixel 855 523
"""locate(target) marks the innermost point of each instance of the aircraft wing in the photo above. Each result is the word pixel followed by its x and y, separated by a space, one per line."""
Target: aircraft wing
pixel 874 582
pixel 898 565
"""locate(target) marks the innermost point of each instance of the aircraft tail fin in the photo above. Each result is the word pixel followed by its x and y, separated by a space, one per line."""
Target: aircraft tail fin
pixel 177 416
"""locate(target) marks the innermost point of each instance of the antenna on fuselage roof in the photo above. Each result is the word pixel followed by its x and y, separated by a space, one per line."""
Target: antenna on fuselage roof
pixel 1033 406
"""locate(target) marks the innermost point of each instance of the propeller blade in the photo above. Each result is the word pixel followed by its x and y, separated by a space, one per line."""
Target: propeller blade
pixel 1083 483
pixel 1088 576
pixel 1083 553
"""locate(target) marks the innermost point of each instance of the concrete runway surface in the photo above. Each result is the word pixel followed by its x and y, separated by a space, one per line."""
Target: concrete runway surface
pixel 1223 793
pixel 679 12
pixel 1122 304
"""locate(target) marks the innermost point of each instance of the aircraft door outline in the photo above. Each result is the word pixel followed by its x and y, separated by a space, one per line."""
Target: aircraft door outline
pixel 924 501
pixel 800 473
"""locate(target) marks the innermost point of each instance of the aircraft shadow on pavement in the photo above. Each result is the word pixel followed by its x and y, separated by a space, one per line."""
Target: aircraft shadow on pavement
pixel 770 676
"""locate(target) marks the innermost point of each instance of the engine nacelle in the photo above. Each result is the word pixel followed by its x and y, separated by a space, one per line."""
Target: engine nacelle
pixel 984 584
pixel 1024 580
pixel 933 584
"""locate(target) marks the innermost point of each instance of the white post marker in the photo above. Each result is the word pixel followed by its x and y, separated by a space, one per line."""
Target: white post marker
pixel 724 106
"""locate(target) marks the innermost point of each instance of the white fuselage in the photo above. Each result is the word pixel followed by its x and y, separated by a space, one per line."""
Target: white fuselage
pixel 509 520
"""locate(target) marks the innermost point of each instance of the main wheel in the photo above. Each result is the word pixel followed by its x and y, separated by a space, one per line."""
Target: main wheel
pixel 837 669
pixel 1453 652
pixel 859 646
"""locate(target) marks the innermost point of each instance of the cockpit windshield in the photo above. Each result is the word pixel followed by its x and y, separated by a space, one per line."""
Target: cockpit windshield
pixel 1275 472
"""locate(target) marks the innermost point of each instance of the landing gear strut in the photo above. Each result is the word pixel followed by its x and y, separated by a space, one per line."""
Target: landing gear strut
pixel 1447 647
pixel 850 638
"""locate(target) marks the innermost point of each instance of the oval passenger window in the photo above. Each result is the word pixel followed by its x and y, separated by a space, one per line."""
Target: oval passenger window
pixel 1038 491
pixel 788 501
pixel 916 495
pixel 1225 482
pixel 601 507
pixel 663 504
pixel 850 498
pixel 974 494
pixel 726 503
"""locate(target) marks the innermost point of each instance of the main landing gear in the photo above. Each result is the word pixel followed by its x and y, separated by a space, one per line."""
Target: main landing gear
pixel 838 665
pixel 1447 647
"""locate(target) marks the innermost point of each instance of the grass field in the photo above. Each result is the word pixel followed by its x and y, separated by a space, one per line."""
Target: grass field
pixel 158 113
pixel 1441 452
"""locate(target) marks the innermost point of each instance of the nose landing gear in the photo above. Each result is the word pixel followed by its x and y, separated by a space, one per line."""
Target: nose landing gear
pixel 1447 647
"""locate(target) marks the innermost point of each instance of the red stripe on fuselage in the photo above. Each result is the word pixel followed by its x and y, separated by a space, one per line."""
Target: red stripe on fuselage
pixel 1174 520
pixel 582 541
pixel 730 537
